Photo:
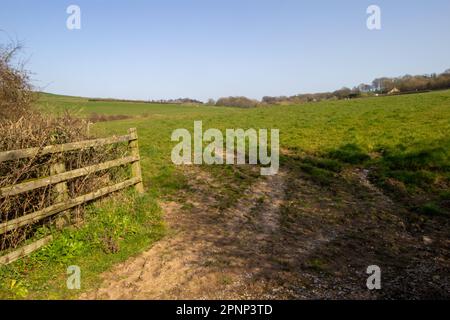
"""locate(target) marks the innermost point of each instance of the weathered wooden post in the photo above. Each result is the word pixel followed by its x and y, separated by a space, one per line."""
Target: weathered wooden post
pixel 136 165
pixel 61 192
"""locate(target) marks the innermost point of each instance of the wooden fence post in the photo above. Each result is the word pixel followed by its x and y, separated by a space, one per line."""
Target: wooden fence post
pixel 136 166
pixel 61 192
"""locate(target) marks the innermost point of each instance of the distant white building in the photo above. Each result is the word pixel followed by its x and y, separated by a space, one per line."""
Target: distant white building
pixel 394 91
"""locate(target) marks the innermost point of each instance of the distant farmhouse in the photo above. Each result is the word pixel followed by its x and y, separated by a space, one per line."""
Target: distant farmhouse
pixel 394 91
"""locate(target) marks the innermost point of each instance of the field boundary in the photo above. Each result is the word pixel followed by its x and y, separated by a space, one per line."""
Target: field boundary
pixel 58 179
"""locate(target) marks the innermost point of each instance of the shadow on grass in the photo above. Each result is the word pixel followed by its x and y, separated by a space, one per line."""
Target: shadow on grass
pixel 418 175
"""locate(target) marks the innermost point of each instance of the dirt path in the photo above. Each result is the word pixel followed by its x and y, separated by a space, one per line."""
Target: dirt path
pixel 202 257
pixel 283 236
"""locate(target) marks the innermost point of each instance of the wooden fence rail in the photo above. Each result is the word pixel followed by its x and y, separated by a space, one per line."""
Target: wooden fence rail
pixel 58 179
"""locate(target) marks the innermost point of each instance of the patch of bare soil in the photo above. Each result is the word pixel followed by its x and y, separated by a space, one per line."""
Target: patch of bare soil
pixel 208 250
pixel 285 236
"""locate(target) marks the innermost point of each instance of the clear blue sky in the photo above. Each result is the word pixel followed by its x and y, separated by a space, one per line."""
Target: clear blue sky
pixel 212 48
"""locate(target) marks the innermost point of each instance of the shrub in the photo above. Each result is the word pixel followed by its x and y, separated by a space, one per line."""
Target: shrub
pixel 240 102
pixel 16 95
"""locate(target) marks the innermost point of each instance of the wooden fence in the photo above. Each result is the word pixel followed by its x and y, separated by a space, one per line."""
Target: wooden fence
pixel 58 179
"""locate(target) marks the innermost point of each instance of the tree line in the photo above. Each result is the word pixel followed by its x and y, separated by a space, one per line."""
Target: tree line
pixel 379 86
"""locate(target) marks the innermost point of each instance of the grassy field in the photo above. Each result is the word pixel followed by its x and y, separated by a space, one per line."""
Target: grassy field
pixel 402 141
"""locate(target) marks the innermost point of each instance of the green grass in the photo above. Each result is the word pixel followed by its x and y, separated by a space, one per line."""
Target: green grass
pixel 410 123
pixel 114 229
pixel 407 133
pixel 83 107
pixel 405 138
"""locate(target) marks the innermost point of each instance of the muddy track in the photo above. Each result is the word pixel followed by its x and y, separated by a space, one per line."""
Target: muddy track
pixel 285 236
pixel 207 252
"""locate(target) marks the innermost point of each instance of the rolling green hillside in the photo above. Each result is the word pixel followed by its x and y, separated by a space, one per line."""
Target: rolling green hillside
pixel 403 140
pixel 336 157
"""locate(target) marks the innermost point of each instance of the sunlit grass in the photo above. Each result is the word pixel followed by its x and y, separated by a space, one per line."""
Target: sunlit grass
pixel 405 138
